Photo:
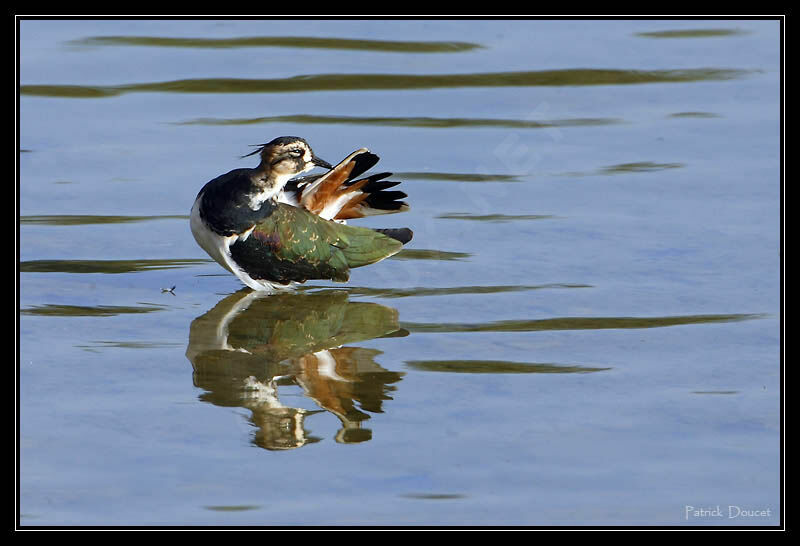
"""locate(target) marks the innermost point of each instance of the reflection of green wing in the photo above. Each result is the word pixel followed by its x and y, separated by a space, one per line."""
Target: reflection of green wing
pixel 280 326
pixel 252 342
pixel 291 325
pixel 292 244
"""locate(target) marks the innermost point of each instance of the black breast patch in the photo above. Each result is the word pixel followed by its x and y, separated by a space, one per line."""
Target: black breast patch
pixel 225 204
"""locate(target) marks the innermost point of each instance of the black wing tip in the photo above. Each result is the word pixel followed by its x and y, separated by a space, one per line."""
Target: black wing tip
pixel 363 162
pixel 386 200
pixel 403 235
pixel 377 183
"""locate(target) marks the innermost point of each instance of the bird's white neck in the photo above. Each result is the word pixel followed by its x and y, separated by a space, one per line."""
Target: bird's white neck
pixel 266 187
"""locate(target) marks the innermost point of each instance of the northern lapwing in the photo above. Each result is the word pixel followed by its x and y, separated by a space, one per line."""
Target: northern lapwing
pixel 273 231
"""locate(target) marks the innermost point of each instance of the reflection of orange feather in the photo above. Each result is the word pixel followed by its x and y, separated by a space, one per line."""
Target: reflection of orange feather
pixel 333 395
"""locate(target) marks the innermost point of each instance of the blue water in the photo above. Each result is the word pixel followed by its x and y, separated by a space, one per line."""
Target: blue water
pixel 623 177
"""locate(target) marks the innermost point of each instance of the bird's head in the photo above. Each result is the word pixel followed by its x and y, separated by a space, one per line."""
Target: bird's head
pixel 285 157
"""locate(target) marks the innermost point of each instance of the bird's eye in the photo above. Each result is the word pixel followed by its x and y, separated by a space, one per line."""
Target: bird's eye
pixel 296 152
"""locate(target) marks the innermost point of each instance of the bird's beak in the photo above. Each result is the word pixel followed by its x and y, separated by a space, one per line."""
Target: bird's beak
pixel 320 162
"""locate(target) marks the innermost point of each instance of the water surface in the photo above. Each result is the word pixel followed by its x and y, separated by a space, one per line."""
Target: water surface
pixel 585 329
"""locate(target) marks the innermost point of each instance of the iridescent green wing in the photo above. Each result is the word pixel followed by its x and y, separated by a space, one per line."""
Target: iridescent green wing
pixel 292 244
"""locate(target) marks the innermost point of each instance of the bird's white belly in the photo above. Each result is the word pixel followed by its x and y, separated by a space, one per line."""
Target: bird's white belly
pixel 214 244
pixel 218 247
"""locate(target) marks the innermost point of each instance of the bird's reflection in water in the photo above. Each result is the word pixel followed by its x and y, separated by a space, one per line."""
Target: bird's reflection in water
pixel 249 344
